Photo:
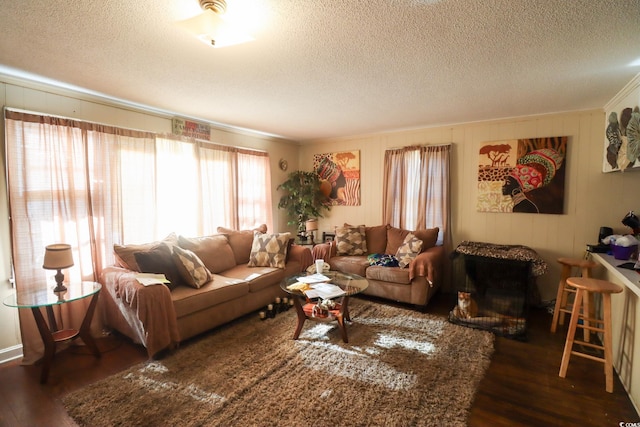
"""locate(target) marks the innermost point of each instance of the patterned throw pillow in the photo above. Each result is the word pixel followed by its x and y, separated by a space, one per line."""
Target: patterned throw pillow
pixel 383 260
pixel 269 250
pixel 158 260
pixel 351 241
pixel 409 250
pixel 191 268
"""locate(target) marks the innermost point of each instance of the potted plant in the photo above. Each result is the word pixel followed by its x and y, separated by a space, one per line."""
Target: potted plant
pixel 303 199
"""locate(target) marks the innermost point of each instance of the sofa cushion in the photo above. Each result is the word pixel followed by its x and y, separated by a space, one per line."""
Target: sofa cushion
pixel 191 268
pixel 125 257
pixel 396 236
pixel 158 260
pixel 409 250
pixel 258 278
pixel 376 238
pixel 214 251
pixel 241 241
pixel 395 239
pixel 388 274
pixel 428 236
pixel 350 264
pixel 351 241
pixel 269 250
pixel 187 300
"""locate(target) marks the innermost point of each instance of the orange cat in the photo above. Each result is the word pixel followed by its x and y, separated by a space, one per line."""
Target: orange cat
pixel 467 307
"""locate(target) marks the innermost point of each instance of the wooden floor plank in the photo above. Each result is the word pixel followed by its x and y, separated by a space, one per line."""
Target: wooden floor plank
pixel 521 388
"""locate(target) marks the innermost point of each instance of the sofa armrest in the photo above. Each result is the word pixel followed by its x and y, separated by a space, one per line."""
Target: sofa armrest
pixel 323 251
pixel 428 264
pixel 300 254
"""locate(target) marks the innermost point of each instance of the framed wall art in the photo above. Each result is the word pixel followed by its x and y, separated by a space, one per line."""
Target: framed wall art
pixel 522 175
pixel 339 176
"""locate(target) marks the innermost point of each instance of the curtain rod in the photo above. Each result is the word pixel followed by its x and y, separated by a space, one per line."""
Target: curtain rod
pixel 421 145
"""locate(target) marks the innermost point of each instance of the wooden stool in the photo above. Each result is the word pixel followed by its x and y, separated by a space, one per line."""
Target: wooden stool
pixel 562 307
pixel 605 288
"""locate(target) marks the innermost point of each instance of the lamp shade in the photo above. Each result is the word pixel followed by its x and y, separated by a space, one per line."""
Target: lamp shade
pixel 311 225
pixel 57 256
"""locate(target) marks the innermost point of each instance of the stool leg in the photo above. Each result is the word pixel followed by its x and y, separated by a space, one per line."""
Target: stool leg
pixel 589 305
pixel 587 311
pixel 561 298
pixel 608 352
pixel 568 345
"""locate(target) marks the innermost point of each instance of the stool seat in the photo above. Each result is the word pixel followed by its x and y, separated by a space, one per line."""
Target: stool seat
pixel 594 285
pixel 584 286
pixel 562 306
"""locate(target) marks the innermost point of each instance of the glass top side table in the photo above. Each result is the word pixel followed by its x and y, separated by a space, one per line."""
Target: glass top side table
pixel 50 334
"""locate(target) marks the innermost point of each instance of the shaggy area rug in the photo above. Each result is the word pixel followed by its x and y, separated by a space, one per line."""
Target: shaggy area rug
pixel 400 368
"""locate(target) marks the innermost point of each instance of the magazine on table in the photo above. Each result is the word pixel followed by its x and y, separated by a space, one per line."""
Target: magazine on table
pixel 324 291
pixel 314 278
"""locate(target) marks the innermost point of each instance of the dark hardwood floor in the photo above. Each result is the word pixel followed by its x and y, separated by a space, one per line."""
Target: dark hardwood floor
pixel 521 388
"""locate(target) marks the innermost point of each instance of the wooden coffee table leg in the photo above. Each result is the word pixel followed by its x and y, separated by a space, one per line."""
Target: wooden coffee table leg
pixel 85 328
pixel 343 327
pixel 301 317
pixel 47 340
pixel 345 308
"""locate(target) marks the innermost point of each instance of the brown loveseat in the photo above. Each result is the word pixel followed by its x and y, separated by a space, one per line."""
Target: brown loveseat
pixel 415 283
pixel 214 279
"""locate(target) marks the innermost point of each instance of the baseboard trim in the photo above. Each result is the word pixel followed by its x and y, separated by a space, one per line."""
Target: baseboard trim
pixel 10 353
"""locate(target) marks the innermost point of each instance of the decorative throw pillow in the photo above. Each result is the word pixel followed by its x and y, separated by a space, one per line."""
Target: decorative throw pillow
pixel 351 241
pixel 409 250
pixel 125 257
pixel 191 268
pixel 158 260
pixel 383 260
pixel 269 250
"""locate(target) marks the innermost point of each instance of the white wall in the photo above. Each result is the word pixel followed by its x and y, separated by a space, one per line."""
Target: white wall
pixel 44 99
pixel 592 198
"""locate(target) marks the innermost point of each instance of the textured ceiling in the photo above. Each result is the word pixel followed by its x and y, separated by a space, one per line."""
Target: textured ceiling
pixel 330 68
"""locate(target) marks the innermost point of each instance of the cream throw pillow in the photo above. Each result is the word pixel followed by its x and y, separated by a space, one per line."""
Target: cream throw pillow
pixel 409 250
pixel 351 241
pixel 269 250
pixel 191 268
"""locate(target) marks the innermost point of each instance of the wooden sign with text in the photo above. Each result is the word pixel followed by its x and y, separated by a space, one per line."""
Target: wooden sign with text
pixel 191 129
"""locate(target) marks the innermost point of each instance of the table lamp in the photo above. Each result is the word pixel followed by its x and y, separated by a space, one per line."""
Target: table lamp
pixel 57 257
pixel 311 225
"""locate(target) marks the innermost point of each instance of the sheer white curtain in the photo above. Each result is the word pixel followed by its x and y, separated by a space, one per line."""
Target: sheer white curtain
pixel 91 186
pixel 416 189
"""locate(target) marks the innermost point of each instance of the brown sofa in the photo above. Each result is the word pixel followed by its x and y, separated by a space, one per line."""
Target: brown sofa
pixel 234 279
pixel 414 284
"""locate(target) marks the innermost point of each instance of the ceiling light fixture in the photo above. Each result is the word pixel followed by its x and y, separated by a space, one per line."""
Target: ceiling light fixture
pixel 211 28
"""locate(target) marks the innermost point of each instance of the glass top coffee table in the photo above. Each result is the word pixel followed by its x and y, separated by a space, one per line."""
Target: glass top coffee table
pixel 348 284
